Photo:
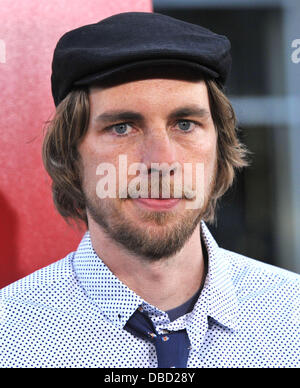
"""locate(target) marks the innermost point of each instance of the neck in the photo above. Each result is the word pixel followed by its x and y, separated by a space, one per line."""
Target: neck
pixel 166 283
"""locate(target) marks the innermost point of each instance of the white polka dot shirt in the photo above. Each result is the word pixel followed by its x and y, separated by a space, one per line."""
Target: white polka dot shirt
pixel 71 314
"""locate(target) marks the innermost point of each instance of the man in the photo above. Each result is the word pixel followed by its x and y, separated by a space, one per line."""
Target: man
pixel 148 286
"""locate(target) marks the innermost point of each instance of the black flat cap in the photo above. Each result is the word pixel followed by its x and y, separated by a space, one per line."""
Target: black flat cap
pixel 128 42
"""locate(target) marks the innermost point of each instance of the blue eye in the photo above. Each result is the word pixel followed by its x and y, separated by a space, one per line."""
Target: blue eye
pixel 184 125
pixel 121 129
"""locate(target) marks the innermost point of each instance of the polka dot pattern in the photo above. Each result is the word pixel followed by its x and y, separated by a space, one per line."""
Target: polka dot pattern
pixel 71 314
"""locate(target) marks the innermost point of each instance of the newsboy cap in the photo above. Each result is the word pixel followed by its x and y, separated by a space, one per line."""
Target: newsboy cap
pixel 132 41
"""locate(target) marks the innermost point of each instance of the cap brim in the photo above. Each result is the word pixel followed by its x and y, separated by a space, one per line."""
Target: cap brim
pixel 171 68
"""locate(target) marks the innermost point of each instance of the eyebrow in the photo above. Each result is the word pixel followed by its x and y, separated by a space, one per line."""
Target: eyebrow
pixel 122 115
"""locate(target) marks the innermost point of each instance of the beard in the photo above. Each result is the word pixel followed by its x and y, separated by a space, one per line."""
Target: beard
pixel 163 238
pixel 160 235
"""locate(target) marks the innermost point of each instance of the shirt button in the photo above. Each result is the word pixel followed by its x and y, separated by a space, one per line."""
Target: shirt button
pixel 165 338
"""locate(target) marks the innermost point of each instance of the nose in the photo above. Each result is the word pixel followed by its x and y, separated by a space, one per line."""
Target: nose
pixel 158 148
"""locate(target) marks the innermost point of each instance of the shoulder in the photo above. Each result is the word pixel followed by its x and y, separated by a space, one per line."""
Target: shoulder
pixel 41 313
pixel 251 275
pixel 53 290
pixel 42 285
pixel 266 301
pixel 265 293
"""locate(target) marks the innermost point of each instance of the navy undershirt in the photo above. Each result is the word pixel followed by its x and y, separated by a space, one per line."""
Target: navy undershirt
pixel 188 306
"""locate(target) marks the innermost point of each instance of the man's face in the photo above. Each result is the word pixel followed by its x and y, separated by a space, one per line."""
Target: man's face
pixel 149 121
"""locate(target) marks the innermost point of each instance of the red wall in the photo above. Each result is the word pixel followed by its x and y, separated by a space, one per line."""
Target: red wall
pixel 32 234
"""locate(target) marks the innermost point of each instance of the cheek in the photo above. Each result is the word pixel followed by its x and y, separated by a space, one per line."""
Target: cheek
pixel 206 155
pixel 89 162
pixel 94 158
pixel 210 161
pixel 93 153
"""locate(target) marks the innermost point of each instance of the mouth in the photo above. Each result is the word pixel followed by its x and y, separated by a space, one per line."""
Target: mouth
pixel 161 204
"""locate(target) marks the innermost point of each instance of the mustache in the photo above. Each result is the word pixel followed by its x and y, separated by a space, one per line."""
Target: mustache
pixel 160 188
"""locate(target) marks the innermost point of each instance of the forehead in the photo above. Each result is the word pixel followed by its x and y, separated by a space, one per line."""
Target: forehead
pixel 153 92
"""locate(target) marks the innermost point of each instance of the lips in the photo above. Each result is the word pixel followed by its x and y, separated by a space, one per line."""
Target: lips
pixel 158 204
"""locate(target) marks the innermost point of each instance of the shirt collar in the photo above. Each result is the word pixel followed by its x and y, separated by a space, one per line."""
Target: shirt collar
pixel 117 302
pixel 221 299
